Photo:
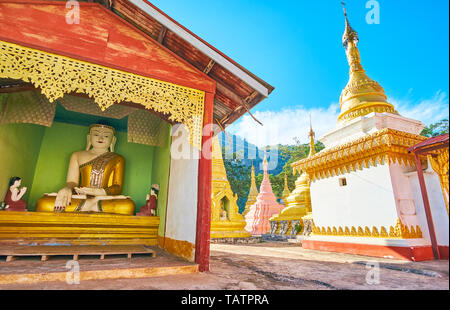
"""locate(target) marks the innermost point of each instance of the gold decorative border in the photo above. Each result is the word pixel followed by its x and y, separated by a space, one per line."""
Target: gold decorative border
pixel 58 75
pixel 399 231
pixel 361 111
pixel 384 146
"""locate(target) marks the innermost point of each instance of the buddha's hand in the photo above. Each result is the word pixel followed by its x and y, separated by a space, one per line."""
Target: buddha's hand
pixel 90 191
pixel 63 199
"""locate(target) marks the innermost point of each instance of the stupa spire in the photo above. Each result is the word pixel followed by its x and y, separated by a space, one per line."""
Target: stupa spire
pixel 286 191
pixel 253 192
pixel 362 95
pixel 219 172
pixel 312 135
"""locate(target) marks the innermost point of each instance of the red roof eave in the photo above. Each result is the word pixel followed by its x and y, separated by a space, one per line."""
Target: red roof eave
pixel 434 142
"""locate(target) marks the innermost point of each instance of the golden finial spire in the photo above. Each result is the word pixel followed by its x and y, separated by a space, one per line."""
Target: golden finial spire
pixel 286 190
pixel 218 167
pixel 253 192
pixel 362 95
pixel 312 134
pixel 349 34
pixel 253 189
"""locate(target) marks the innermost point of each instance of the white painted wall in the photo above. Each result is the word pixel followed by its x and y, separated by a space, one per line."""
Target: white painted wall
pixel 404 195
pixel 437 205
pixel 367 200
pixel 183 187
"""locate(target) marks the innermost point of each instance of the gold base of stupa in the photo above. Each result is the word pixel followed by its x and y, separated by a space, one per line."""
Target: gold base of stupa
pixel 227 229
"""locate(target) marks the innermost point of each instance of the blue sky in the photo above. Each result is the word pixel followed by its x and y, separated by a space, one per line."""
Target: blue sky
pixel 296 46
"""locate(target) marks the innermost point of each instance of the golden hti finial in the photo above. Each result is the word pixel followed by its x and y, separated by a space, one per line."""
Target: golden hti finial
pixel 286 190
pixel 312 134
pixel 349 34
pixel 362 95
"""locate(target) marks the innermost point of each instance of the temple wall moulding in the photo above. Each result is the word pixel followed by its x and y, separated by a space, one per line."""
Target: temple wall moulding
pixel 58 75
pixel 386 146
pixel 399 231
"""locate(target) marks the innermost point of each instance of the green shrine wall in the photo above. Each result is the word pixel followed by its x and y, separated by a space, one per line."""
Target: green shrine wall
pixel 161 166
pixel 19 151
pixel 62 139
pixel 40 156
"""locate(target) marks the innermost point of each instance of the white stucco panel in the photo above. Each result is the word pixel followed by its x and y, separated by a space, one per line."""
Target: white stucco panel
pixel 183 187
pixel 366 200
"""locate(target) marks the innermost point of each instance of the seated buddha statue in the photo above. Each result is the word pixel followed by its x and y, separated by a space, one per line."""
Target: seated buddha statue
pixel 94 179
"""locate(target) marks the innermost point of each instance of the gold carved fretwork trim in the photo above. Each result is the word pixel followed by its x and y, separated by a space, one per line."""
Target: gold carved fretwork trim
pixel 385 146
pixel 361 111
pixel 399 231
pixel 58 75
pixel 440 164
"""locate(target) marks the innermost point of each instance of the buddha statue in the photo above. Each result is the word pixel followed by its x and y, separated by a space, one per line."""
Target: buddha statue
pixel 94 179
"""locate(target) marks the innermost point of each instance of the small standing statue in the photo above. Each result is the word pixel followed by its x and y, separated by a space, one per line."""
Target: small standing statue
pixel 223 214
pixel 14 196
pixel 150 207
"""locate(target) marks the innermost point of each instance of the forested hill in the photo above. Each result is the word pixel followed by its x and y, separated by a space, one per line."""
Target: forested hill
pixel 238 157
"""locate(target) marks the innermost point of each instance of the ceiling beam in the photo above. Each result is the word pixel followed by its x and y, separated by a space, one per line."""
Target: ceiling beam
pixel 162 34
pixel 209 67
pixel 251 97
pixel 233 96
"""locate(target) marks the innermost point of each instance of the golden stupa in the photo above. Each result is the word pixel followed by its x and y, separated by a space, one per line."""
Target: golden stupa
pixel 226 222
pixel 286 191
pixel 252 194
pixel 298 203
pixel 362 95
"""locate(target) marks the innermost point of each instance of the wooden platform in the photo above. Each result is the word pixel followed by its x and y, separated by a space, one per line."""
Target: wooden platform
pixel 31 270
pixel 45 252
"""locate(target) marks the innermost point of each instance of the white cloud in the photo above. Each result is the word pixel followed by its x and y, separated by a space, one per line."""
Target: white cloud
pixel 427 111
pixel 281 127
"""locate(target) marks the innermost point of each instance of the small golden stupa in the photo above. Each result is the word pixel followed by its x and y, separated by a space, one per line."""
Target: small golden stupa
pixel 286 191
pixel 298 203
pixel 252 194
pixel 226 222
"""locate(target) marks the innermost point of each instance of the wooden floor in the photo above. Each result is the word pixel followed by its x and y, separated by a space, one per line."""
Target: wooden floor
pixel 45 252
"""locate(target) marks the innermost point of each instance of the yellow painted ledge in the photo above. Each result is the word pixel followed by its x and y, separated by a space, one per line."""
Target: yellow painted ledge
pixel 132 273
pixel 229 229
pixel 77 228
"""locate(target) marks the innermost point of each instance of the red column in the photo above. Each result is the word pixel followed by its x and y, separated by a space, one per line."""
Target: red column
pixel 426 204
pixel 202 241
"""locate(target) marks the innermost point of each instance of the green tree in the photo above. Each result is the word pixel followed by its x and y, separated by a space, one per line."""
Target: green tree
pixel 239 173
pixel 239 176
pixel 436 129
